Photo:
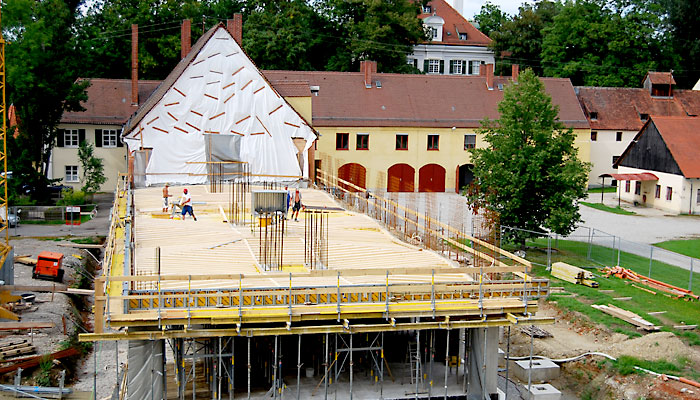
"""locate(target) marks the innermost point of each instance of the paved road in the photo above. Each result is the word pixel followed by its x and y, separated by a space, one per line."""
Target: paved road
pixel 648 226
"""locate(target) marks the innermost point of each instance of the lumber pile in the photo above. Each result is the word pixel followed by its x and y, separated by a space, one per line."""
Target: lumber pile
pixel 14 348
pixel 532 330
pixel 575 275
pixel 627 316
pixel 624 273
pixel 36 360
pixel 26 260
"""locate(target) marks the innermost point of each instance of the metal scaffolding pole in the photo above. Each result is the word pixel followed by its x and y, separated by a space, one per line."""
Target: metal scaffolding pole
pixel 325 379
pixel 249 368
pixel 447 359
pixel 299 368
pixel 274 371
pixel 351 366
pixel 381 378
pixel 417 360
pixel 507 361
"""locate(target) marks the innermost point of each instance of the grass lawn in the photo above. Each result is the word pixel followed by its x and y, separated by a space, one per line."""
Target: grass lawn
pixel 642 302
pixel 83 219
pixel 608 189
pixel 603 207
pixel 689 247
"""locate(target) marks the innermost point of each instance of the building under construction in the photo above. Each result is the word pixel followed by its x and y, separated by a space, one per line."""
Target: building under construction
pixel 362 297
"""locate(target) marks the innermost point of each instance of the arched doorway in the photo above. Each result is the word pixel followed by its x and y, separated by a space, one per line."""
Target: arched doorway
pixel 431 178
pixel 465 176
pixel 401 178
pixel 353 173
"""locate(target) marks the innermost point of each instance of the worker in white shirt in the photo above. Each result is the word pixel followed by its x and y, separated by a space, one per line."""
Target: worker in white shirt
pixel 186 204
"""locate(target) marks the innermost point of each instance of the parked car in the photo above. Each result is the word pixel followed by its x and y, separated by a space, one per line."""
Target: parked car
pixel 12 217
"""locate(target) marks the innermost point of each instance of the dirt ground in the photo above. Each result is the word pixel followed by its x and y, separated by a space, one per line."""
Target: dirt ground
pixel 572 337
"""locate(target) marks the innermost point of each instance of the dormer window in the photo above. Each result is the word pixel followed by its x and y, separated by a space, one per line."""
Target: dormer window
pixel 594 115
pixel 427 9
pixel 462 36
pixel 643 116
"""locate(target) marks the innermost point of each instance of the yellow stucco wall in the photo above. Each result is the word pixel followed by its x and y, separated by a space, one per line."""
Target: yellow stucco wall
pixel 114 159
pixel 382 152
pixel 302 105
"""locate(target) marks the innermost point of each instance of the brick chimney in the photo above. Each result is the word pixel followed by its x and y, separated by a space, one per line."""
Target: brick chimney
pixel 489 75
pixel 235 28
pixel 185 38
pixel 368 68
pixel 514 71
pixel 134 65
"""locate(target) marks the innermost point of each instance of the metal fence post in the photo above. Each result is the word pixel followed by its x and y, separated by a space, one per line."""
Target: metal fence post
pixel 619 245
pixel 651 258
pixel 690 281
pixel 549 252
pixel 591 231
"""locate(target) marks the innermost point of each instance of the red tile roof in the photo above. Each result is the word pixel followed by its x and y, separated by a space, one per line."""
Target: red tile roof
pixel 109 102
pixel 682 137
pixel 660 78
pixel 292 88
pixel 621 108
pixel 455 24
pixel 416 100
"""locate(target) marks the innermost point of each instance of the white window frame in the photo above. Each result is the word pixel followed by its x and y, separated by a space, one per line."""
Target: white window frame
pixel 453 67
pixel 474 66
pixel 433 66
pixel 473 145
pixel 109 133
pixel 72 176
pixel 71 138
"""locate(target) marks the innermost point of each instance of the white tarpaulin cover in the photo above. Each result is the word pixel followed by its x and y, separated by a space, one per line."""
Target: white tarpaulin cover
pixel 221 92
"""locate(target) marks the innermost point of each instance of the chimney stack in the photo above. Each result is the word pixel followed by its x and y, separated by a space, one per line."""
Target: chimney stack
pixel 489 76
pixel 134 65
pixel 235 28
pixel 368 68
pixel 185 38
pixel 514 71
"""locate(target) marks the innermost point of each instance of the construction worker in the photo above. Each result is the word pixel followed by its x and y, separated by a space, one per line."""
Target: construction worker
pixel 165 198
pixel 186 204
pixel 297 205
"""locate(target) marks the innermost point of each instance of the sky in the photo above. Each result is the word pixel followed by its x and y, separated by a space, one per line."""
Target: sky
pixel 472 7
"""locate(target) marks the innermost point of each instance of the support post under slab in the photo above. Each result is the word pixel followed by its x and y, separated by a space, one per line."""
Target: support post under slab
pixel 447 359
pixel 248 368
pixel 351 366
pixel 325 380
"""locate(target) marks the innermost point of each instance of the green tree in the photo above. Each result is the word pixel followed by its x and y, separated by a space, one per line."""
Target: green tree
pixel 382 31
pixel 104 34
pixel 93 168
pixel 597 44
pixel 490 18
pixel 530 174
pixel 682 18
pixel 287 35
pixel 41 69
pixel 519 40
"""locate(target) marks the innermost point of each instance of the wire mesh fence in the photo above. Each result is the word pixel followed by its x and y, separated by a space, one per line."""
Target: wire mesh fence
pixel 604 249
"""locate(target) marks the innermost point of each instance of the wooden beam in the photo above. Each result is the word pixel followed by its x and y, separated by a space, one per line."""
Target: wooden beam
pixel 11 326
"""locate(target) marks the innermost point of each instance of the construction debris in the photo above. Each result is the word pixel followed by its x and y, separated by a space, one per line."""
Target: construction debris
pixel 685 327
pixel 575 275
pixel 26 260
pixel 36 360
pixel 14 326
pixel 627 316
pixel 532 330
pixel 15 348
pixel 624 273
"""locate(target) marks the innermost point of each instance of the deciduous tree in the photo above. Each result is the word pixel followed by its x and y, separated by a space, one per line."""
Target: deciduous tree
pixel 490 18
pixel 529 174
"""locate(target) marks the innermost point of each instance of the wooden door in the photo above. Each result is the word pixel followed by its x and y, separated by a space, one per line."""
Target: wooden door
pixel 431 178
pixel 353 173
pixel 401 178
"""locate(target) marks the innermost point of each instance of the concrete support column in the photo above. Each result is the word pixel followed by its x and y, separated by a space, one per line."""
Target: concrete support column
pixel 483 363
